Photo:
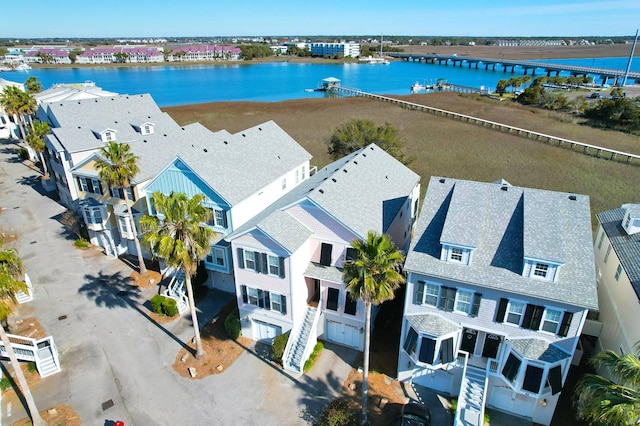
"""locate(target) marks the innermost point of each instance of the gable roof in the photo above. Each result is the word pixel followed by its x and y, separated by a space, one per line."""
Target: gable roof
pixel 363 191
pixel 627 247
pixel 510 223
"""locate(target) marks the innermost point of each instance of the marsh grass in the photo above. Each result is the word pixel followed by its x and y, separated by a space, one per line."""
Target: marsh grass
pixel 447 147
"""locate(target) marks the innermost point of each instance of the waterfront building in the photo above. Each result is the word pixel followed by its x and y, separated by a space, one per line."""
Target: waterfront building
pixel 133 54
pixel 288 259
pixel 203 53
pixel 47 55
pixel 500 283
pixel 347 50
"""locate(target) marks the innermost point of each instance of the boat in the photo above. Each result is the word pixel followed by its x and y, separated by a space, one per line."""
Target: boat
pixel 375 59
pixel 416 87
pixel 23 67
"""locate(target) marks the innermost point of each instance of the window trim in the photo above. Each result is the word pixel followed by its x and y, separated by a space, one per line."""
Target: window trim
pixel 540 270
pixel 618 272
pixel 456 254
pixel 544 319
pixel 271 257
pixel 252 255
pixel 215 256
pixel 459 292
pixel 508 312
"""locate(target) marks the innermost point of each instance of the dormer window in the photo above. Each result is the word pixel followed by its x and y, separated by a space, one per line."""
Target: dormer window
pixel 109 136
pixel 631 221
pixel 541 270
pixel 456 254
pixel 146 129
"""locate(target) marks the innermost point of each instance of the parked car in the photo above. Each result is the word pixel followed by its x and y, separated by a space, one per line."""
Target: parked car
pixel 596 95
pixel 414 414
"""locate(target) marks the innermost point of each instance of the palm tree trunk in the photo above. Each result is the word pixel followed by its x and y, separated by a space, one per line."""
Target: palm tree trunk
pixel 141 265
pixel 24 388
pixel 365 369
pixel 44 165
pixel 194 316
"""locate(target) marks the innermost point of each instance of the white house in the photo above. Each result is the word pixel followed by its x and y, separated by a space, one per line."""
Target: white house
pixel 288 259
pixel 500 282
pixel 617 253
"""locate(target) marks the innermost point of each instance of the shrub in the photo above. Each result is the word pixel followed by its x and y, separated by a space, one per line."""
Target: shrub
pixel 232 324
pixel 156 303
pixel 82 243
pixel 170 307
pixel 317 349
pixel 31 367
pixel 337 413
pixel 23 154
pixel 5 384
pixel 277 348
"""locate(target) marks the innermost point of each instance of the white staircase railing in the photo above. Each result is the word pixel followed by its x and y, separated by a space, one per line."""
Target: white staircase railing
pixel 472 396
pixel 301 341
pixel 176 291
pixel 41 351
pixel 24 297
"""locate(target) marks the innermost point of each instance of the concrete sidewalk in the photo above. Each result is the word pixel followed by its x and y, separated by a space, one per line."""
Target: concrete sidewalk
pixel 116 363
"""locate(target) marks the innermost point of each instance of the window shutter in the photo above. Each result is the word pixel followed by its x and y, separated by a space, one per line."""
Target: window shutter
pixel 502 309
pixel 260 298
pixel 325 254
pixel 281 261
pixel 264 259
pixel 267 300
pixel 283 303
pixel 99 187
pixel 240 258
pixel 528 315
pixel 89 185
pixel 257 263
pixel 427 350
pixel 448 299
pixel 79 182
pixel 243 289
pixel 446 351
pixel 566 323
pixel 475 307
pixel 224 219
pixel 419 293
pixel 555 378
pixel 120 193
pixel 537 317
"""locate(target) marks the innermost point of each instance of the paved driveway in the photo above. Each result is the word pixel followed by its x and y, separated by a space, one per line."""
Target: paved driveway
pixel 113 355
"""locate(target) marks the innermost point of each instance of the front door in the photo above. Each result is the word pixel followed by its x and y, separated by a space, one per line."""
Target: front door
pixel 491 345
pixel 343 334
pixel 265 332
pixel 469 337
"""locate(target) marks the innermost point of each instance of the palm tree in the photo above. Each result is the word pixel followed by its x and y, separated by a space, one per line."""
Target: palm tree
pixel 27 106
pixel 601 401
pixel 181 239
pixel 10 101
pixel 118 169
pixel 10 271
pixel 33 85
pixel 372 276
pixel 35 139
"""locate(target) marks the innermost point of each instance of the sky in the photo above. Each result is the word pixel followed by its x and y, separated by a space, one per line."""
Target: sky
pixel 162 18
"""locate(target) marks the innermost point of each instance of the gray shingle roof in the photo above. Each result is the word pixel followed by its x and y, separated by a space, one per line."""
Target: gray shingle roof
pixel 538 349
pixel 325 273
pixel 504 222
pixel 283 228
pixel 626 247
pixel 433 325
pixel 364 191
pixel 226 162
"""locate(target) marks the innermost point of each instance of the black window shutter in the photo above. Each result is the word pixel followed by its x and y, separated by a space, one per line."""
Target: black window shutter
pixel 99 188
pixel 224 219
pixel 283 302
pixel 537 317
pixel 245 298
pixel 267 300
pixel 427 350
pixel 89 185
pixel 555 379
pixel 565 324
pixel 256 262
pixel 133 194
pixel 78 179
pixel 443 297
pixel 325 254
pixel 240 258
pixel 528 315
pixel 475 307
pixel 281 261
pixel 264 261
pixel 419 293
pixel 260 298
pixel 446 351
pixel 502 309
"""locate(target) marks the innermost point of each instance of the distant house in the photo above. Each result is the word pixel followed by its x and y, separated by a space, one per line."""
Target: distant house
pixel 288 259
pixel 8 128
pixel 617 253
pixel 204 53
pixel 500 282
pixel 347 50
pixel 133 54
pixel 42 55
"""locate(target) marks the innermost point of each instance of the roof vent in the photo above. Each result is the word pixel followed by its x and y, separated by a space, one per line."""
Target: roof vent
pixel 355 162
pixel 145 141
pixel 504 188
pixel 333 179
pixel 165 135
pixel 78 102
pixel 225 142
pixel 205 150
pixel 371 148
pixel 573 197
pixel 364 155
pixel 244 136
pixel 321 191
pixel 278 157
pixel 344 170
pixel 260 128
pixel 441 181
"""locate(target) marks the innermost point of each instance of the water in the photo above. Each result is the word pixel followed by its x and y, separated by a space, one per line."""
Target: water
pixel 278 81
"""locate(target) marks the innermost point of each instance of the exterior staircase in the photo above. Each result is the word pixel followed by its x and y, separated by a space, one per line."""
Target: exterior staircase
pixel 24 297
pixel 471 401
pixel 301 342
pixel 176 290
pixel 41 351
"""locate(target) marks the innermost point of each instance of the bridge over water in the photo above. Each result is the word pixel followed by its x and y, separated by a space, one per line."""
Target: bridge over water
pixel 507 65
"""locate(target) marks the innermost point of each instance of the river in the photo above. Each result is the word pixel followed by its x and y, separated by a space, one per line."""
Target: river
pixel 274 81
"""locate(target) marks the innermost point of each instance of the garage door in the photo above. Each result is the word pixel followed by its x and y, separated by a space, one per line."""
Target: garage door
pixel 265 332
pixel 344 334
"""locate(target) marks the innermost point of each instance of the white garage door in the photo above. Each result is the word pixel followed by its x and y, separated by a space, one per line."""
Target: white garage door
pixel 264 331
pixel 344 334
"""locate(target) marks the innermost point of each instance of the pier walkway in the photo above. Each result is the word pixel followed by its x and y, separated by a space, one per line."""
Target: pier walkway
pixel 584 148
pixel 510 65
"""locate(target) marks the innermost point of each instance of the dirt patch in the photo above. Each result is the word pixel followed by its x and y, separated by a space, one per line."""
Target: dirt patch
pixel 60 415
pixel 221 351
pixel 29 327
pixel 145 281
